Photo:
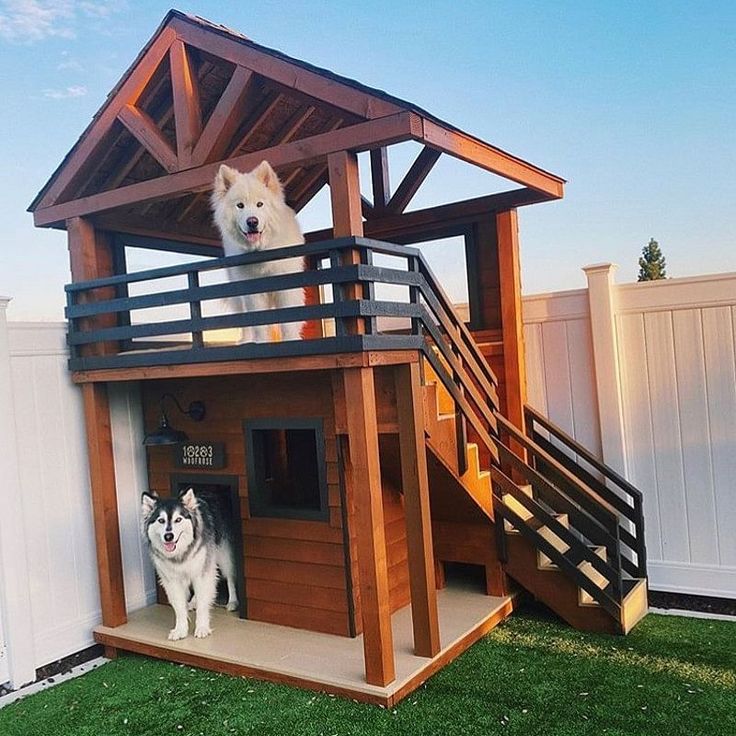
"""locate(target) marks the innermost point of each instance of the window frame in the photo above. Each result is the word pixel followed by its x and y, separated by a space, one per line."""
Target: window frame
pixel 258 502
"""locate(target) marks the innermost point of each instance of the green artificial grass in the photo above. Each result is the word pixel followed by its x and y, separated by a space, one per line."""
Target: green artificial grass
pixel 531 675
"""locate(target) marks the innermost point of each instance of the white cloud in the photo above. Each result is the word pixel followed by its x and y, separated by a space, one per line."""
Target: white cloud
pixel 66 93
pixel 70 64
pixel 28 21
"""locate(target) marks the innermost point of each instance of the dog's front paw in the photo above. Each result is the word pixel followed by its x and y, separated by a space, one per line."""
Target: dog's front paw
pixel 202 631
pixel 178 633
pixel 232 605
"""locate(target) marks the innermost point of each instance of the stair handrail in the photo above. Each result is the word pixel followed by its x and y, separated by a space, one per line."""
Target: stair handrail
pixel 449 308
pixel 609 600
pixel 633 511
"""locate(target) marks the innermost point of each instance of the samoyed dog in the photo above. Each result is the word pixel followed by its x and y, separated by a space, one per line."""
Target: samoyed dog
pixel 252 215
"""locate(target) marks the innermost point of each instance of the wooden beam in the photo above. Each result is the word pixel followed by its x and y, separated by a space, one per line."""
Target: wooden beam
pixel 224 120
pixel 148 134
pixel 260 114
pixel 315 85
pixel 104 503
pixel 366 207
pixel 90 258
pixel 347 217
pixel 347 220
pixel 509 266
pixel 309 190
pixel 360 137
pixel 287 132
pixel 415 485
pixel 438 218
pixel 364 480
pixel 414 178
pixel 492 159
pixel 187 108
pixel 380 179
pixel 127 93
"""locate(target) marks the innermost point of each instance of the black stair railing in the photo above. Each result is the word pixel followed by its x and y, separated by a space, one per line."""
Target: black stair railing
pixel 611 487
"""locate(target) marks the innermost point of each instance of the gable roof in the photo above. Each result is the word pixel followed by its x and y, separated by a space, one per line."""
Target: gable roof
pixel 337 100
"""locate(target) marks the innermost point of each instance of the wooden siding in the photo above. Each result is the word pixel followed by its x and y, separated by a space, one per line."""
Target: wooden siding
pixel 294 569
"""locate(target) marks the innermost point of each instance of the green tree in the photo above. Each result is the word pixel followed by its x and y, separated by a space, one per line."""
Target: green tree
pixel 652 263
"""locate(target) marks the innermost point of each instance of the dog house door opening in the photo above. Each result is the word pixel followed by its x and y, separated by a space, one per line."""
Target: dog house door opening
pixel 222 490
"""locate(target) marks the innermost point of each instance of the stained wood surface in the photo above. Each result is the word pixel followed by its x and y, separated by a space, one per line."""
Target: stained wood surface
pixel 415 484
pixel 294 570
pixel 507 228
pixel 104 504
pixel 364 476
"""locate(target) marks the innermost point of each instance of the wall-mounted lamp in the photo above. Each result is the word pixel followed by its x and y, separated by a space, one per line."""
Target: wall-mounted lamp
pixel 166 434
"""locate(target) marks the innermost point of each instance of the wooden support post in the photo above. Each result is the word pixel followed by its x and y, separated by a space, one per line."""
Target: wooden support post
pixel 365 479
pixel 347 218
pixel 415 484
pixel 507 229
pixel 91 257
pixel 104 503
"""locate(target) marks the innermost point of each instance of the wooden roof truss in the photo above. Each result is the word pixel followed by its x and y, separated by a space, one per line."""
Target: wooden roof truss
pixel 199 95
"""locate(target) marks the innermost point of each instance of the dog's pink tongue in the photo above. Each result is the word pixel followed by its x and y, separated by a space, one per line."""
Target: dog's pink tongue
pixel 253 237
pixel 169 546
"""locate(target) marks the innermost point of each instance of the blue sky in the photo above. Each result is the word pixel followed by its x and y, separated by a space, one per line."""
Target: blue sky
pixel 633 102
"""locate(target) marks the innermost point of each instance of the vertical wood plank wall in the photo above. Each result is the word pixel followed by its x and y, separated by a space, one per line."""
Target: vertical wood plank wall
pixel 294 570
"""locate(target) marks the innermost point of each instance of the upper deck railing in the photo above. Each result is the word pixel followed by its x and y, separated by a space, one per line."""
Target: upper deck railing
pixel 357 297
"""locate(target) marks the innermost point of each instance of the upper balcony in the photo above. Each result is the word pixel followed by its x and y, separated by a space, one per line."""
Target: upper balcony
pixel 359 296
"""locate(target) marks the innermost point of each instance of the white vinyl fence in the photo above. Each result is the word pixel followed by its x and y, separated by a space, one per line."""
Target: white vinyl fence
pixel 49 598
pixel 645 376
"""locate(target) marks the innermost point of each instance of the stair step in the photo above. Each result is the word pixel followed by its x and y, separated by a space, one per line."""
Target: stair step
pixel 599 580
pixel 518 509
pixel 561 546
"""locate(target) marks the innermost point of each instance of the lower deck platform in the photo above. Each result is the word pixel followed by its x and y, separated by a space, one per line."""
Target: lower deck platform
pixel 315 661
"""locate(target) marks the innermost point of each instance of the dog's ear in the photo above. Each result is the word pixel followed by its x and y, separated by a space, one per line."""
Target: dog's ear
pixel 189 500
pixel 224 179
pixel 148 502
pixel 269 178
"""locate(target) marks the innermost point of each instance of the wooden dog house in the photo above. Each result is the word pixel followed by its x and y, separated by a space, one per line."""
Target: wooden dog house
pixel 415 448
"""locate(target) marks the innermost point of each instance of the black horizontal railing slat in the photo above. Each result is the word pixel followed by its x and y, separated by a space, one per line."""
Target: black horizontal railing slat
pixel 628 503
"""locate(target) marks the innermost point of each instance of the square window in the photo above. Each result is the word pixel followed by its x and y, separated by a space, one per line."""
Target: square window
pixel 286 468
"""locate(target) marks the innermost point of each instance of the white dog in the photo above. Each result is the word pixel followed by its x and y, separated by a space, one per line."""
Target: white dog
pixel 251 214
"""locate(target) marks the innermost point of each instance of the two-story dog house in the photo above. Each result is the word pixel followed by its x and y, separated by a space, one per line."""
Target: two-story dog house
pixel 368 461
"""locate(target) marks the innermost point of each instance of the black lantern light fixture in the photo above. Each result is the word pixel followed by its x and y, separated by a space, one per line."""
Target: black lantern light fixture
pixel 166 434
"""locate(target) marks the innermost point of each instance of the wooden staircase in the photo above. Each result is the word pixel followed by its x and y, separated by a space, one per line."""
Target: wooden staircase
pixel 569 530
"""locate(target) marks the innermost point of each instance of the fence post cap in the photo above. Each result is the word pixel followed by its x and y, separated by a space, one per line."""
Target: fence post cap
pixel 600 268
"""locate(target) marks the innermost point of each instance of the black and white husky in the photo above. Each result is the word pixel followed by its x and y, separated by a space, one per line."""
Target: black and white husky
pixel 189 539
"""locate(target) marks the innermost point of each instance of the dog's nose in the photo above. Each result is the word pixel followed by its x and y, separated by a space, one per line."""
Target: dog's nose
pixel 252 223
pixel 169 537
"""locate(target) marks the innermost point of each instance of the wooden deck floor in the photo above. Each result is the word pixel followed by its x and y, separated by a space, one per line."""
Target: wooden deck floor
pixel 312 660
